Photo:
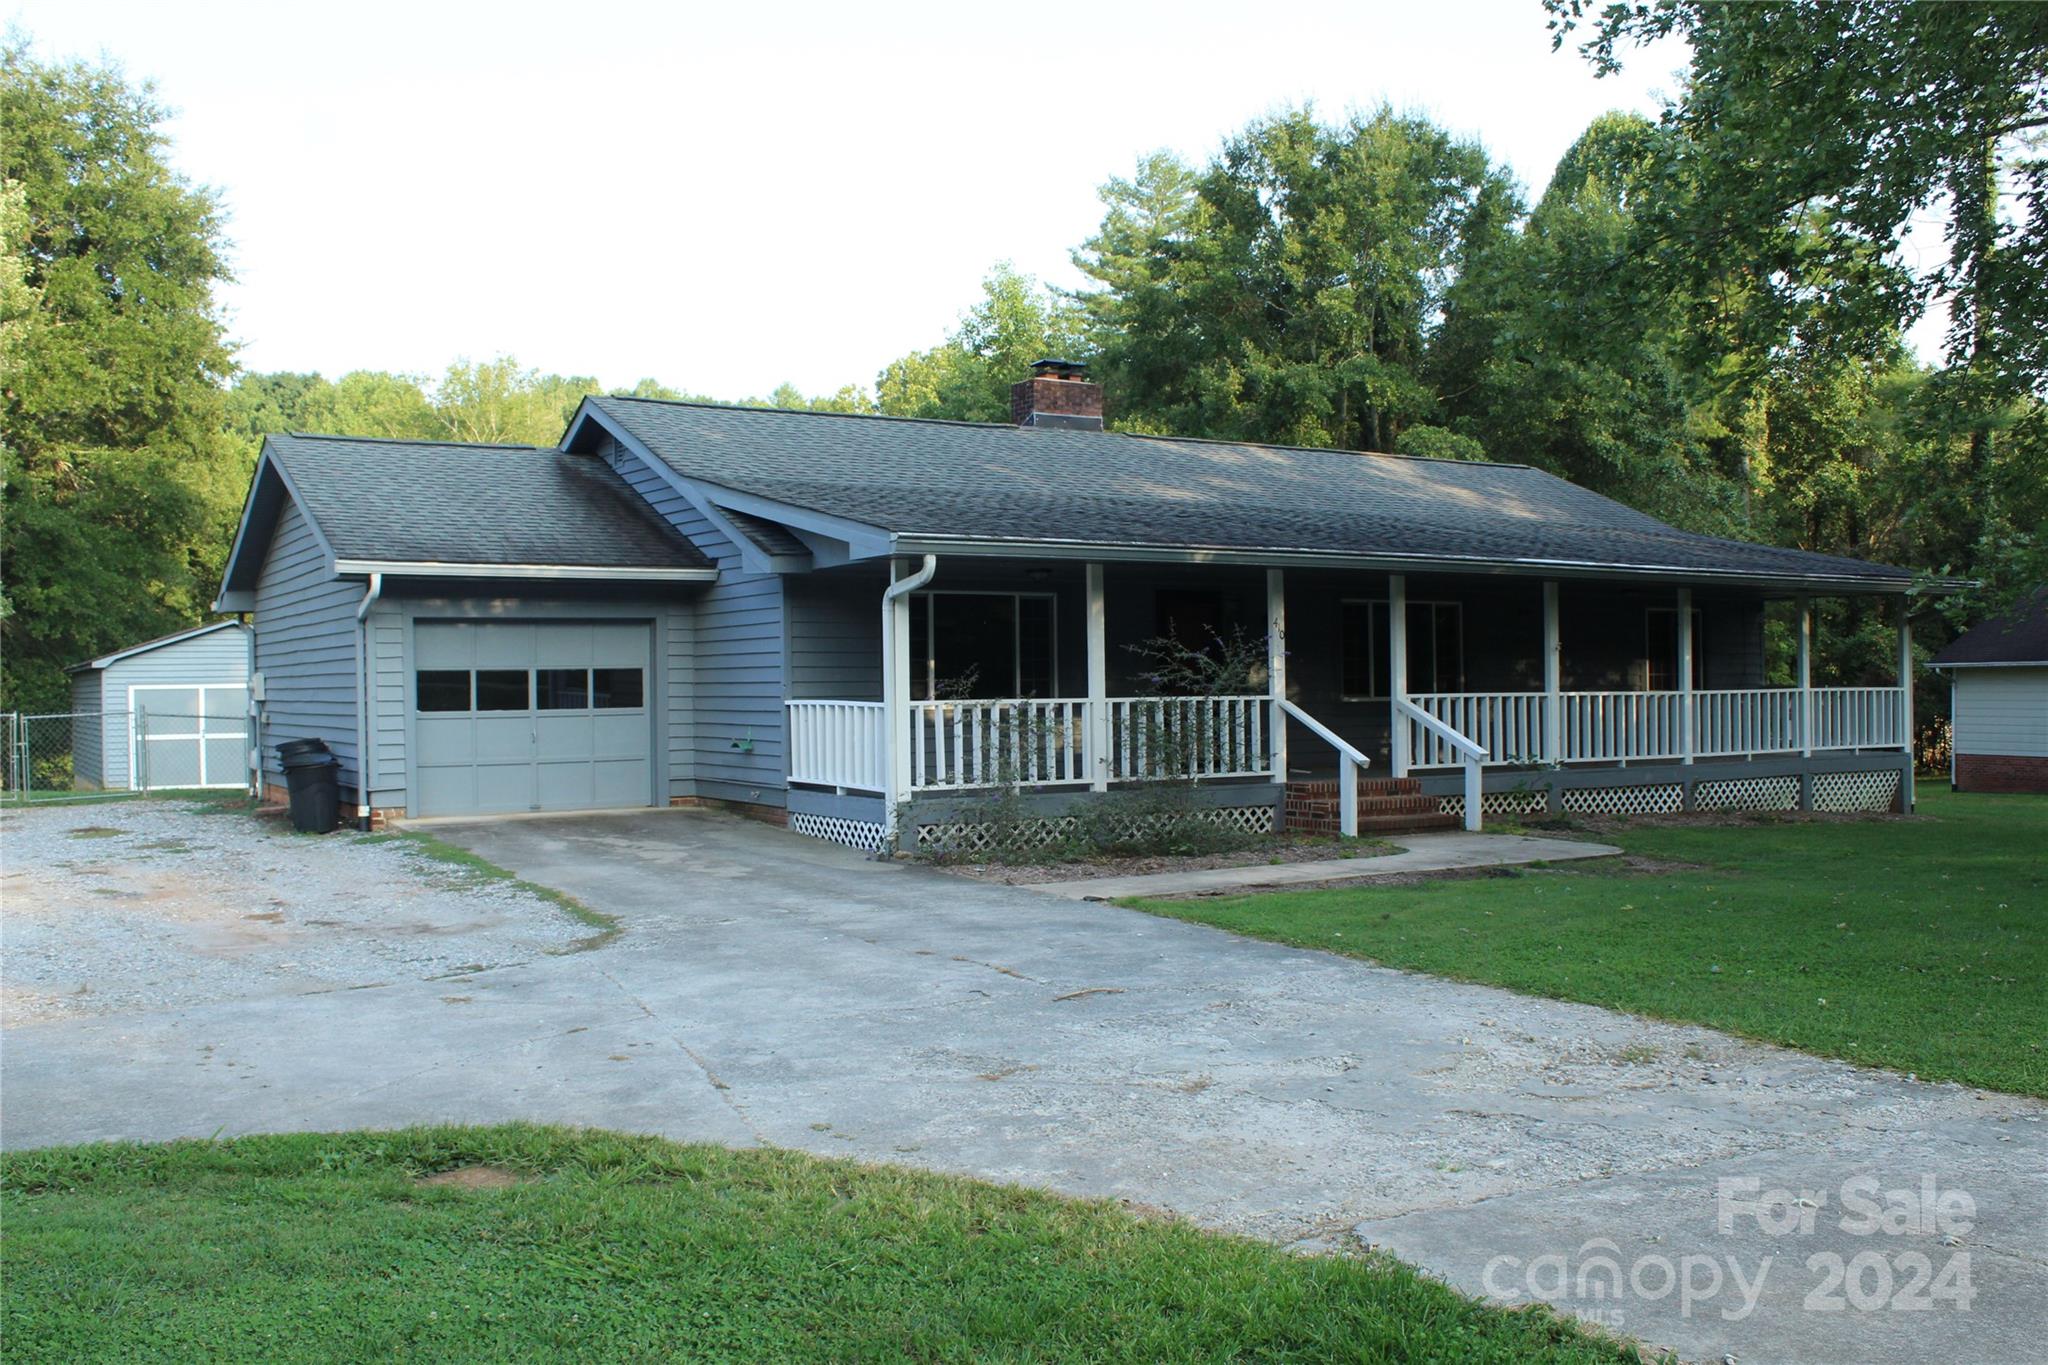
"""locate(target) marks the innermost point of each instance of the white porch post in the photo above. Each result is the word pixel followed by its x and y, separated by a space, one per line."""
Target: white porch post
pixel 1553 678
pixel 1098 683
pixel 1397 672
pixel 1906 700
pixel 1685 716
pixel 896 693
pixel 1276 669
pixel 1805 675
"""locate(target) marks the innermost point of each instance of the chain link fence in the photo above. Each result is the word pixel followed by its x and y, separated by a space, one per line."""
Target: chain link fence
pixel 85 755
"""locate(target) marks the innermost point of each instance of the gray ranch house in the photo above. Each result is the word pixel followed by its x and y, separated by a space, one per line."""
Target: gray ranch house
pixel 853 624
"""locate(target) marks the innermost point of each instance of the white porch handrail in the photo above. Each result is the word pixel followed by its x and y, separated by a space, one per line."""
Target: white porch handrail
pixel 839 744
pixel 1469 752
pixel 1154 738
pixel 1626 727
pixel 998 742
pixel 1350 763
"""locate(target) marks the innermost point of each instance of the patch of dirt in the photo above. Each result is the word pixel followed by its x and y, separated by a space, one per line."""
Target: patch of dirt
pixel 470 1178
pixel 1274 854
pixel 96 832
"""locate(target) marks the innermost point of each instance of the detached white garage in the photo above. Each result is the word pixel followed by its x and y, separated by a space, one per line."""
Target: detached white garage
pixel 167 713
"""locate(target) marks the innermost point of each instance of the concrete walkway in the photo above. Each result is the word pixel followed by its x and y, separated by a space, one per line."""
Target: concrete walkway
pixel 773 989
pixel 1419 853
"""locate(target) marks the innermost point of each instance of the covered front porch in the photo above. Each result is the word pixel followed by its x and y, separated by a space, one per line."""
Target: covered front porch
pixel 1494 693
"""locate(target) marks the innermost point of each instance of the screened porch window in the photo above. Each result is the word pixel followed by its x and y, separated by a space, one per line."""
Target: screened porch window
pixel 982 644
pixel 1436 649
pixel 1660 652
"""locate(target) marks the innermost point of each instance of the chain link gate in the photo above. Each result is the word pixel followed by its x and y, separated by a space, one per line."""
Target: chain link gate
pixel 84 755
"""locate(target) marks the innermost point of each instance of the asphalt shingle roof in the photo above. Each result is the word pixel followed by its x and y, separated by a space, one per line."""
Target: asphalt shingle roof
pixel 2016 636
pixel 998 482
pixel 441 502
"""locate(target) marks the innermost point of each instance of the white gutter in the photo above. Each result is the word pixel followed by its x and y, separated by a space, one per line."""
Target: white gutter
pixel 896 695
pixel 423 568
pixel 370 596
pixel 917 543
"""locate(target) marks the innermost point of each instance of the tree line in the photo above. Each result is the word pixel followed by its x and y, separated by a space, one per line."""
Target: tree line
pixel 1703 315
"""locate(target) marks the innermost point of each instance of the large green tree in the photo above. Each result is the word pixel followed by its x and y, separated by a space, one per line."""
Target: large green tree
pixel 1811 135
pixel 1289 290
pixel 120 478
pixel 967 376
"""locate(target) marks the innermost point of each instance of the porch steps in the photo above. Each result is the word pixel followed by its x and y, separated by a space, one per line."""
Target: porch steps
pixel 1386 805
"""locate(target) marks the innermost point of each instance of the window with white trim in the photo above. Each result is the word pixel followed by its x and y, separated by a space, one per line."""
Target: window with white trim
pixel 1436 648
pixel 983 644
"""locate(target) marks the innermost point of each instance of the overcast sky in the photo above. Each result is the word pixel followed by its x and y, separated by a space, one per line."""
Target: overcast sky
pixel 728 196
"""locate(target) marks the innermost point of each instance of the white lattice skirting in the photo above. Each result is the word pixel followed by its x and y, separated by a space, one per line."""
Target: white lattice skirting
pixel 966 836
pixel 861 834
pixel 1649 799
pixel 1497 803
pixel 1747 793
pixel 1855 791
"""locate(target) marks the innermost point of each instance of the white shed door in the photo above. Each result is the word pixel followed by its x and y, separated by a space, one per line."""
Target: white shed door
pixel 554 716
pixel 187 736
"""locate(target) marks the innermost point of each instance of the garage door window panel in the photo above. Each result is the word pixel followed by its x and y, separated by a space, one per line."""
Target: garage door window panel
pixel 502 689
pixel 442 689
pixel 562 689
pixel 618 689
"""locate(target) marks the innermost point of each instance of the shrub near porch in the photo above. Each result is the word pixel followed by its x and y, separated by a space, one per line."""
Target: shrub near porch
pixel 1918 944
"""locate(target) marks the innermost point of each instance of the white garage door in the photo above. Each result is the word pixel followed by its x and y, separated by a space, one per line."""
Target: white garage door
pixel 531 717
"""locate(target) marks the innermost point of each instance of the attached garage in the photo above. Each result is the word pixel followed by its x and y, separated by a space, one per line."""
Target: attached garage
pixel 550 716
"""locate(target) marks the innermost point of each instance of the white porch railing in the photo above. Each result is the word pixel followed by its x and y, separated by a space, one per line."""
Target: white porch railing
pixel 1350 763
pixel 1745 721
pixel 1509 725
pixel 839 744
pixel 1624 727
pixel 957 744
pixel 1466 750
pixel 1859 718
pixel 1155 738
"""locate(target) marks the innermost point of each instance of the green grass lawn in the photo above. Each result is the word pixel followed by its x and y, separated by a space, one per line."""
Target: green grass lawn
pixel 605 1247
pixel 1918 944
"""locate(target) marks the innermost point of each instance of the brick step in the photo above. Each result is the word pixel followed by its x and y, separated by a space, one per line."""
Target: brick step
pixel 1398 805
pixel 1372 786
pixel 1407 824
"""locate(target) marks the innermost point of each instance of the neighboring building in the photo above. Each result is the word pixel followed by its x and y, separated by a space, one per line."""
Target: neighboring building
pixel 1998 701
pixel 830 619
pixel 171 712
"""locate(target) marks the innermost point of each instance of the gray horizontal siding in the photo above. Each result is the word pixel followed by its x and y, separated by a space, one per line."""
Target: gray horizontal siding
pixel 306 648
pixel 88 731
pixel 835 637
pixel 2002 711
pixel 734 739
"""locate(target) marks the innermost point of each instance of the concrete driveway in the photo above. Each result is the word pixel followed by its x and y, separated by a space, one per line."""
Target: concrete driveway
pixel 769 988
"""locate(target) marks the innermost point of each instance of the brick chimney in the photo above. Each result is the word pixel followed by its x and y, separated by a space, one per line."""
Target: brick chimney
pixel 1057 394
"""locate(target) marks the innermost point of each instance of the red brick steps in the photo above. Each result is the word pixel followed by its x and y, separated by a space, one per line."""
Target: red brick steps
pixel 1386 805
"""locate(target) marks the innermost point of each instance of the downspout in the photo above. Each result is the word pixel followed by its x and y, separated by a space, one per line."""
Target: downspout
pixel 896 695
pixel 254 708
pixel 370 596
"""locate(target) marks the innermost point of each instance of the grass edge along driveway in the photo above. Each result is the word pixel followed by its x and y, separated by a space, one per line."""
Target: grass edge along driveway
pixel 1918 944
pixel 597 1245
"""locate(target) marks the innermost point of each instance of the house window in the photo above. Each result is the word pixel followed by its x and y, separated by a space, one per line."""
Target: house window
pixel 1436 648
pixel 1660 650
pixel 982 644
pixel 1190 616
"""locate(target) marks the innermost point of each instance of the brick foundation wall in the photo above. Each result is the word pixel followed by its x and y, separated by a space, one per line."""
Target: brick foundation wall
pixel 2001 773
pixel 767 815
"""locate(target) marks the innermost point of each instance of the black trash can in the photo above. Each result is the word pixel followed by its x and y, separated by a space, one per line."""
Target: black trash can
pixel 313 777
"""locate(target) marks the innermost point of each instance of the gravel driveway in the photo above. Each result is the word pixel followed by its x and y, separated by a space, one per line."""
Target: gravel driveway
pixel 143 905
pixel 772 989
